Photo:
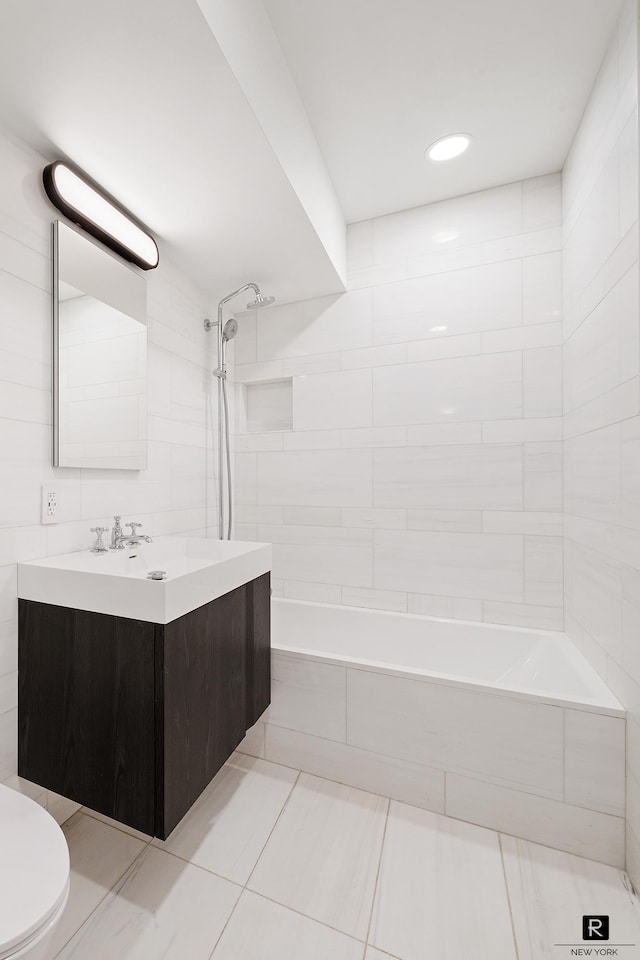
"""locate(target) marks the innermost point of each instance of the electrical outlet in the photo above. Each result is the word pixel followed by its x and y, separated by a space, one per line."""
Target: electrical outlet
pixel 49 504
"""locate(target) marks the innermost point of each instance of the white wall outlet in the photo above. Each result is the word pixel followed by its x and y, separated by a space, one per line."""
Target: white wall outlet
pixel 49 504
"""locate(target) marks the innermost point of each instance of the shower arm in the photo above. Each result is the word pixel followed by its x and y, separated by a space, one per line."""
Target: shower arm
pixel 209 324
pixel 247 286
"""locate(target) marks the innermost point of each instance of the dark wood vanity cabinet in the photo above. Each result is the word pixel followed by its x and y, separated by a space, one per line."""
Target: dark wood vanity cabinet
pixel 133 719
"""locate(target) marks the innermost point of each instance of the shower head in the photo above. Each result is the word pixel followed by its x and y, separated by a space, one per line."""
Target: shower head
pixel 230 329
pixel 260 302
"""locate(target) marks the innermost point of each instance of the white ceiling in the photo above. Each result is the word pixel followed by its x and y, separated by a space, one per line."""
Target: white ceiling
pixel 141 96
pixel 383 79
pixel 138 94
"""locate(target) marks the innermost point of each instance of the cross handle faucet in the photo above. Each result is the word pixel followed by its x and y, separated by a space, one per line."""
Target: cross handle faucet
pixel 119 539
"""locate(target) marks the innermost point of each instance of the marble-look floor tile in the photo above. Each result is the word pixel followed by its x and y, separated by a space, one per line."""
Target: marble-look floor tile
pixel 262 930
pixel 163 907
pixel 99 855
pixel 253 743
pixel 117 825
pixel 61 808
pixel 551 891
pixel 441 890
pixel 227 828
pixel 373 954
pixel 29 789
pixel 322 857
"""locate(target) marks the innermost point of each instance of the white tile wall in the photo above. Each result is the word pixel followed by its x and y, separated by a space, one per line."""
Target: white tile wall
pixel 512 742
pixel 314 478
pixel 327 400
pixel 601 360
pixel 173 495
pixel 308 696
pixel 486 566
pixel 459 388
pixel 437 478
pixel 586 735
pixel 461 301
pixel 587 833
pixel 427 416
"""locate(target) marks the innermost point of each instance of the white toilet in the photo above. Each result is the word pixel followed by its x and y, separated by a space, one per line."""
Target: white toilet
pixel 34 877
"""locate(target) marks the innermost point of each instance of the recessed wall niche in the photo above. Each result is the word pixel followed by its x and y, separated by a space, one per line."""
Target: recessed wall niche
pixel 269 405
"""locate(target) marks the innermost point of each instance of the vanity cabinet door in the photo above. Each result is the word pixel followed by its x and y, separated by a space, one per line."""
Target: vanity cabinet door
pixel 258 647
pixel 201 681
pixel 86 709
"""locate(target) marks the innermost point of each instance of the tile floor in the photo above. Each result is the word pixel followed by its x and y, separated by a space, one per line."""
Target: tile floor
pixel 273 864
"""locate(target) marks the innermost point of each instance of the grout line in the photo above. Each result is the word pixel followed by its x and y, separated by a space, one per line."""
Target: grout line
pixel 286 906
pixel 284 807
pixel 506 887
pixel 115 825
pixel 228 920
pixel 198 866
pixel 564 756
pixel 346 706
pixel 375 886
pixel 111 889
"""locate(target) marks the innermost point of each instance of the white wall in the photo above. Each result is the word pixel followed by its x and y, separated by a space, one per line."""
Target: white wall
pixel 602 393
pixel 169 497
pixel 423 471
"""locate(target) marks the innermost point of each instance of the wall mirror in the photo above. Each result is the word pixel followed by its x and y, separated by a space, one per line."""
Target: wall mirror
pixel 99 357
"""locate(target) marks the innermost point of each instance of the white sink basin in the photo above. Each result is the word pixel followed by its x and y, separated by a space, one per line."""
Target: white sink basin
pixel 116 582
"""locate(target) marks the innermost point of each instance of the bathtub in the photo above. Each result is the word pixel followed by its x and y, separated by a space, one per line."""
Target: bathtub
pixel 505 727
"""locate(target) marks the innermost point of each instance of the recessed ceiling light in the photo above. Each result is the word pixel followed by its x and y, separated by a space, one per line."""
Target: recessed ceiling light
pixel 439 329
pixel 449 147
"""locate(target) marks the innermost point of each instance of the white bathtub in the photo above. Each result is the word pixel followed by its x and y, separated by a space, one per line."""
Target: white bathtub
pixel 530 664
pixel 505 727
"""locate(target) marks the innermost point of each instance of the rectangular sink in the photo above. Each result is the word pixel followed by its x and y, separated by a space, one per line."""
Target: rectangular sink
pixel 116 582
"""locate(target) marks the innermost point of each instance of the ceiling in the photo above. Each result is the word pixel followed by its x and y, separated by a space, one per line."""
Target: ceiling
pixel 383 80
pixel 143 97
pixel 139 96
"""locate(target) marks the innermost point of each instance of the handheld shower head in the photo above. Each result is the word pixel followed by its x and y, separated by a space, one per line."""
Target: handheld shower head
pixel 260 302
pixel 224 334
pixel 230 329
pixel 228 333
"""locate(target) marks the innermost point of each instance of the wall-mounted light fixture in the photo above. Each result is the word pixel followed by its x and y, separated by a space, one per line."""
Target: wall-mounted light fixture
pixel 96 213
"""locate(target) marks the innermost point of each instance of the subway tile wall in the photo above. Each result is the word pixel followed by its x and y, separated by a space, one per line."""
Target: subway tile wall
pixel 601 360
pixel 423 472
pixel 173 495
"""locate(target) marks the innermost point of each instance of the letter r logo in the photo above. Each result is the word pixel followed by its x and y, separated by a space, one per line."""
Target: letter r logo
pixel 595 928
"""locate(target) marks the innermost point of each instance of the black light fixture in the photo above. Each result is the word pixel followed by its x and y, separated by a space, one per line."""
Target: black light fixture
pixel 83 203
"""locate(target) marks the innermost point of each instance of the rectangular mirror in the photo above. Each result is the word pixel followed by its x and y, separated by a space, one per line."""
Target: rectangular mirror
pixel 99 356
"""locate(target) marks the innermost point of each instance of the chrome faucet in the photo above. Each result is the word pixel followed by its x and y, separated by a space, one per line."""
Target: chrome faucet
pixel 120 540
